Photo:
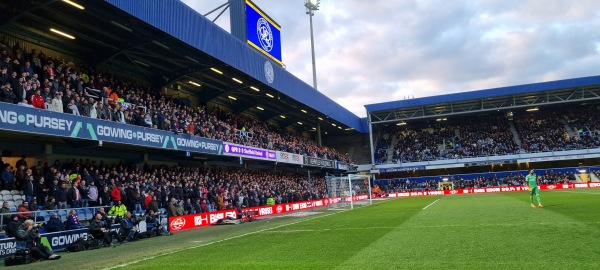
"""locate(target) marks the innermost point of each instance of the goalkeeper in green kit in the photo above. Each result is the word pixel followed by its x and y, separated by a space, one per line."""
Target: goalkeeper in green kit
pixel 534 189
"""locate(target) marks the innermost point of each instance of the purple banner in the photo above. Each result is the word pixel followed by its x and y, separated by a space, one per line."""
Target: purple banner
pixel 246 151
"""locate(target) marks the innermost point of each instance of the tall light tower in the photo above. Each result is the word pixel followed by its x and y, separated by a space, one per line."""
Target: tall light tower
pixel 311 7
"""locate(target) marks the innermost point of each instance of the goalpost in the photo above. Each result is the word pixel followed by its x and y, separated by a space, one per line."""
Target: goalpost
pixel 348 190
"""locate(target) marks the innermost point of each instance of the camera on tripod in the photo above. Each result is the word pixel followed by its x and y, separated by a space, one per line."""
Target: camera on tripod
pixel 39 225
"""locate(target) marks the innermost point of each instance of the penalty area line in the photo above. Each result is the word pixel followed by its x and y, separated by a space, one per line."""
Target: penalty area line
pixel 430 204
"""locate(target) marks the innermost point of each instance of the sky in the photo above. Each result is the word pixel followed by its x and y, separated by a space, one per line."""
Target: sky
pixel 385 50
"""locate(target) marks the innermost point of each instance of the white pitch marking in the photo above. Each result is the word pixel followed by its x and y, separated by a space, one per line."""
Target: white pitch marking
pixel 430 204
pixel 578 192
pixel 219 241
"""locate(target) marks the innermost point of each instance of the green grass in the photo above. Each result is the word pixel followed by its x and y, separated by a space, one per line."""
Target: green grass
pixel 488 231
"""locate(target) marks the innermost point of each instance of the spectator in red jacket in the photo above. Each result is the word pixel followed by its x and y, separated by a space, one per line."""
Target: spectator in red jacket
pixel 115 194
pixel 22 209
pixel 148 199
pixel 37 100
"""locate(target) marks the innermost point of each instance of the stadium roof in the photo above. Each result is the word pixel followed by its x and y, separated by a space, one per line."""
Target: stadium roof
pixel 166 43
pixel 180 21
pixel 503 98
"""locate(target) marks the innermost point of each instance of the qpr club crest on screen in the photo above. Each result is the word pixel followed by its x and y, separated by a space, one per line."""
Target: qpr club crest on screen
pixel 265 35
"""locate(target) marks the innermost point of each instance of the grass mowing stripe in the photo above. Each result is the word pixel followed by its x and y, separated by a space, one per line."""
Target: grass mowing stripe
pixel 430 204
pixel 542 240
pixel 215 242
pixel 302 250
pixel 236 237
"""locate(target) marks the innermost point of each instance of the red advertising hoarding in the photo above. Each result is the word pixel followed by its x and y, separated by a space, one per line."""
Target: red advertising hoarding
pixel 206 219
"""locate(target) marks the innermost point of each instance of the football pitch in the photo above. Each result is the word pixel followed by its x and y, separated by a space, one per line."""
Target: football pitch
pixel 487 231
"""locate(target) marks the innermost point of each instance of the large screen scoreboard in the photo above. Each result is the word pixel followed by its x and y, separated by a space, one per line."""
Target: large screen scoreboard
pixel 263 32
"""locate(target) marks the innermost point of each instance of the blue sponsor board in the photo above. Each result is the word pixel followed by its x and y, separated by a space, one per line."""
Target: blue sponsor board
pixel 263 32
pixel 8 247
pixel 31 120
pixel 56 241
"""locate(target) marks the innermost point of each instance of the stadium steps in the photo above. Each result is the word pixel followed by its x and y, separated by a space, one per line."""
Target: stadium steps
pixel 514 132
pixel 393 144
pixel 362 155
pixel 594 177
pixel 570 131
pixel 350 152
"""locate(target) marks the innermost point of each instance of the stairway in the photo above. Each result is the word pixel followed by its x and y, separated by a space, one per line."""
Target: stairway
pixel 514 132
pixel 350 152
pixel 390 151
pixel 570 131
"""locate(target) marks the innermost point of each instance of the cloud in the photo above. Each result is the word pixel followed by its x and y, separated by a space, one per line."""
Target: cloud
pixel 378 51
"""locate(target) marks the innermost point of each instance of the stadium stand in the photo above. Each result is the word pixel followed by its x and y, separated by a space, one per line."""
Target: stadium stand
pixel 78 89
pixel 491 136
pixel 219 188
pixel 473 181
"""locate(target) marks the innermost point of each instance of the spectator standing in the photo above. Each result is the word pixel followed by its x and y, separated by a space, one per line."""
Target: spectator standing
pixel 37 100
pixel 171 209
pixel 93 194
pixel 7 177
pixel 115 194
pixel 5 211
pixel 61 196
pixel 74 196
pixel 104 197
pixel 84 192
pixel 41 191
pixel 28 188
pixel 57 103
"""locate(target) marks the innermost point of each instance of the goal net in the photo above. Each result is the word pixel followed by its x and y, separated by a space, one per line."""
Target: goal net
pixel 348 191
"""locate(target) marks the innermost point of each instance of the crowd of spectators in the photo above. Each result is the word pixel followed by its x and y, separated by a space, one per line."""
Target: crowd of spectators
pixel 477 182
pixel 36 80
pixel 541 132
pixel 584 120
pixel 403 186
pixel 415 146
pixel 90 183
pixel 485 136
pixel 491 136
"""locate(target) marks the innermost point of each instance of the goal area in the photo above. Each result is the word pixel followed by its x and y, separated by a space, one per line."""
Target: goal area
pixel 348 191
